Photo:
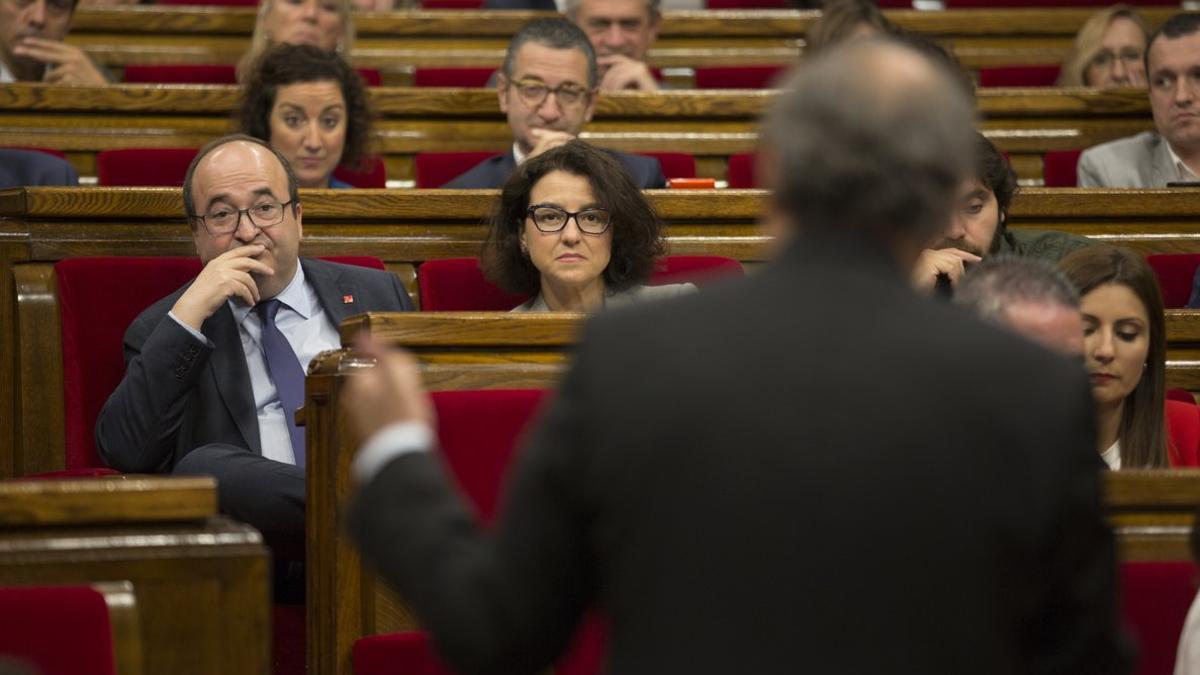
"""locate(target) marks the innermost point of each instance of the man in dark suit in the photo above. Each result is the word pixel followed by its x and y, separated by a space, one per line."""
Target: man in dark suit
pixel 811 470
pixel 29 167
pixel 547 88
pixel 201 393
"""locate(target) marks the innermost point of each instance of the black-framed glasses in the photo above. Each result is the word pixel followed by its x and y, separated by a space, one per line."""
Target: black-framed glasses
pixel 224 219
pixel 547 218
pixel 534 92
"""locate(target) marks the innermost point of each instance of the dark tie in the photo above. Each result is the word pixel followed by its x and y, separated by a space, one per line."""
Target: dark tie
pixel 285 371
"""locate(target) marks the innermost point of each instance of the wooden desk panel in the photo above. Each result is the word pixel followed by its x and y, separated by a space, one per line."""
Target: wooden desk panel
pixel 201 581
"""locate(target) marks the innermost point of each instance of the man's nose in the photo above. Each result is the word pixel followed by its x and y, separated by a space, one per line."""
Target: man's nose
pixel 309 11
pixel 613 36
pixel 246 230
pixel 550 109
pixel 1183 91
pixel 36 13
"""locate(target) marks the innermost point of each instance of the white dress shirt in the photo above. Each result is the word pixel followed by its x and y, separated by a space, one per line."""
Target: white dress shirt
pixel 1112 456
pixel 6 75
pixel 1183 173
pixel 304 324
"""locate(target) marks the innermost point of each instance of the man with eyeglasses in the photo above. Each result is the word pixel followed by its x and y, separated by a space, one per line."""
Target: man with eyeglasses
pixel 1171 153
pixel 215 371
pixel 547 88
pixel 32 47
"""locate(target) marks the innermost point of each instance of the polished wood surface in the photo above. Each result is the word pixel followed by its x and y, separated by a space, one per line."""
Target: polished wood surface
pixel 200 584
pixel 710 125
pixel 405 227
pixel 115 499
pixel 1153 512
pixel 121 599
pixel 397 41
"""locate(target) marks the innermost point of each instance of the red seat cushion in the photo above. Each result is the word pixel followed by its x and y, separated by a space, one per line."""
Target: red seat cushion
pixel 959 4
pixel 1019 76
pixel 739 77
pixel 674 164
pixel 1059 168
pixel 740 175
pixel 375 176
pixel 1174 272
pixel 435 169
pixel 161 167
pixel 181 74
pixel 60 630
pixel 458 285
pixel 1183 429
pixel 1155 598
pixel 98 299
pixel 452 77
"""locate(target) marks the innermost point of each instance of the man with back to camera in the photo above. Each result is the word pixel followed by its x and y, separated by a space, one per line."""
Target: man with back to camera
pixel 32 47
pixel 215 370
pixel 1170 153
pixel 547 90
pixel 709 474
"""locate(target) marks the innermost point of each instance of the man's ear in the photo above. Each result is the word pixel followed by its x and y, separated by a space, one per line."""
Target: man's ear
pixel 591 106
pixel 655 26
pixel 299 220
pixel 502 92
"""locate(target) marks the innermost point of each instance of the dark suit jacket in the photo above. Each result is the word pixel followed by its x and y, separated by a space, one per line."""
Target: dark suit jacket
pixel 178 394
pixel 494 171
pixel 30 167
pixel 544 5
pixel 812 470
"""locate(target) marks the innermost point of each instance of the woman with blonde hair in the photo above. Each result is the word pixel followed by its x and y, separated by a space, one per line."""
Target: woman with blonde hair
pixel 1108 51
pixel 325 24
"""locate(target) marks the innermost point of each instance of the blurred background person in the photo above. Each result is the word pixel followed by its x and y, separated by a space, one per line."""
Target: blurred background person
pixel 622 32
pixel 843 20
pixel 573 231
pixel 1124 351
pixel 312 107
pixel 32 47
pixel 30 167
pixel 325 24
pixel 1030 297
pixel 1108 51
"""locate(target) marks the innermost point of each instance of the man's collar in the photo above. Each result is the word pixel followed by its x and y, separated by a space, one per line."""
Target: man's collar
pixel 518 156
pixel 1182 171
pixel 295 295
pixel 6 75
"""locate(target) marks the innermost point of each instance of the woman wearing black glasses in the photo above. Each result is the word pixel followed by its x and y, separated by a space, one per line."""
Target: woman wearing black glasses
pixel 572 231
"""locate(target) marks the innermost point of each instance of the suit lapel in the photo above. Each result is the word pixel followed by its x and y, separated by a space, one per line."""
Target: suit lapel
pixel 1161 167
pixel 232 377
pixel 340 299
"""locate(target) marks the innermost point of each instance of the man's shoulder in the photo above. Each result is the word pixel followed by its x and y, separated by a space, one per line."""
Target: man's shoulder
pixel 646 171
pixel 1129 148
pixel 1043 245
pixel 488 174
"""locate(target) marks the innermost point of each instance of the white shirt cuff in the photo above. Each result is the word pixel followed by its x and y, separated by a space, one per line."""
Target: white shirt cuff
pixel 195 333
pixel 389 443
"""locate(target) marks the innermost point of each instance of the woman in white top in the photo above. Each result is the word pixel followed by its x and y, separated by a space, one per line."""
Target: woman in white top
pixel 1124 351
pixel 572 230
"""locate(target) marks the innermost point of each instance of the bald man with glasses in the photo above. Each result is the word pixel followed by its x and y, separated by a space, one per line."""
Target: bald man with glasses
pixel 547 89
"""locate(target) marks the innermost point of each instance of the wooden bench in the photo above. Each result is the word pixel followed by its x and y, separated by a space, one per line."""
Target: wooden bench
pixel 1152 512
pixel 395 42
pixel 200 582
pixel 41 226
pixel 82 121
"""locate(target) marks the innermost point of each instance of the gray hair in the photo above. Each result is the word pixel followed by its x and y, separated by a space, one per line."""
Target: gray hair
pixel 998 282
pixel 654 7
pixel 555 33
pixel 872 137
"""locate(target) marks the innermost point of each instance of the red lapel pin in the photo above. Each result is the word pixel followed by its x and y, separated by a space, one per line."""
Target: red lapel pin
pixel 347 299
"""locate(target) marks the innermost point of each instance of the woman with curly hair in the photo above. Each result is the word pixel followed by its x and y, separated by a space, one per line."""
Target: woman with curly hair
pixel 573 231
pixel 312 107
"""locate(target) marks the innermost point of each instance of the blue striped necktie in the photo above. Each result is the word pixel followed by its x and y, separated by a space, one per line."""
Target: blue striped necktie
pixel 285 371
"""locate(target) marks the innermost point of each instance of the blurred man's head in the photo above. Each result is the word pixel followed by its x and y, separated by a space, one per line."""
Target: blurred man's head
pixel 1028 296
pixel 625 27
pixel 872 137
pixel 1172 61
pixel 548 80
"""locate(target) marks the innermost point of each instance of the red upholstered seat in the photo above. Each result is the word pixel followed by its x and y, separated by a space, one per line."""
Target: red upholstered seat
pixel 98 299
pixel 739 77
pixel 1183 428
pixel 375 176
pixel 1155 597
pixel 1174 272
pixel 458 285
pixel 1019 76
pixel 740 175
pixel 435 169
pixel 181 74
pixel 162 167
pixel 59 630
pixel 1059 168
pixel 963 4
pixel 674 164
pixel 452 77
pixel 1175 394
pixel 478 433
